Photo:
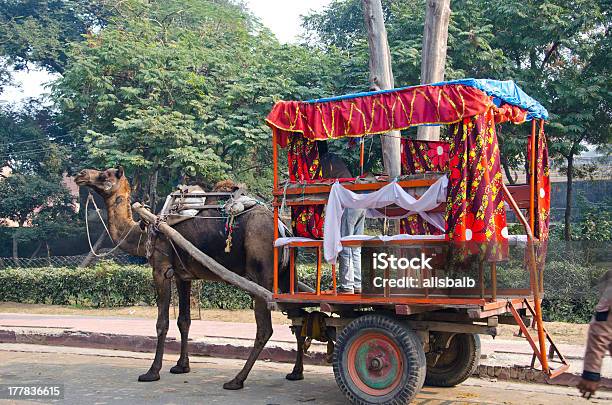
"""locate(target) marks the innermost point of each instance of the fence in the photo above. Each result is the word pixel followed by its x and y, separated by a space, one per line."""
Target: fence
pixel 65 261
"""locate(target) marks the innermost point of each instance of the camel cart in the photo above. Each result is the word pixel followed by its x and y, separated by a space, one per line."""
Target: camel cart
pixel 451 202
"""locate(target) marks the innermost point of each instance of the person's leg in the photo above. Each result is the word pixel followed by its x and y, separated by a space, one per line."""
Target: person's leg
pixel 344 258
pixel 358 229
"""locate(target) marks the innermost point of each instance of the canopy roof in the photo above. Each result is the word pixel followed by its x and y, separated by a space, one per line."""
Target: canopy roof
pixel 377 112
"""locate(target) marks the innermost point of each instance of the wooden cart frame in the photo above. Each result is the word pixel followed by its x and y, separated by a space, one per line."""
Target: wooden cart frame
pixel 481 312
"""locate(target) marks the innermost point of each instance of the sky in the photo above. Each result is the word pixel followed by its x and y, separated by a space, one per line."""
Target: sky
pixel 281 16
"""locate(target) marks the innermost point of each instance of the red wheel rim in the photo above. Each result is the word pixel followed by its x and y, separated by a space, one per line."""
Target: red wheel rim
pixel 375 363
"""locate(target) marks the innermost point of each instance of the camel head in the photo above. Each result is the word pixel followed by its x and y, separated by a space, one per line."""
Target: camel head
pixel 106 182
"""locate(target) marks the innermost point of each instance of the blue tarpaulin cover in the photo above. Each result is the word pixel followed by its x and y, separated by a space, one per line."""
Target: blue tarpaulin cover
pixel 505 91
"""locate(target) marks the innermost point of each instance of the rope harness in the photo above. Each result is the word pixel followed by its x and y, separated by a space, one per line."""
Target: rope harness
pixel 117 245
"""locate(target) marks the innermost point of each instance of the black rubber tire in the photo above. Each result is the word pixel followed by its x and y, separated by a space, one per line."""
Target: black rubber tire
pixel 457 363
pixel 413 358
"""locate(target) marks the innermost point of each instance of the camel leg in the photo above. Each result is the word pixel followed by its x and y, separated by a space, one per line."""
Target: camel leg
pixel 184 321
pixel 298 368
pixel 263 318
pixel 162 285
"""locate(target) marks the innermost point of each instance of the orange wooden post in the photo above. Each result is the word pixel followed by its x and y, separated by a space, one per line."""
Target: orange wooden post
pixel 539 287
pixel 275 159
pixel 535 285
pixel 318 271
pixel 292 270
pixel 334 283
pixel 532 175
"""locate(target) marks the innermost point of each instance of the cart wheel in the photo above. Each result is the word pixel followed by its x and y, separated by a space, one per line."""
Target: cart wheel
pixel 379 361
pixel 457 363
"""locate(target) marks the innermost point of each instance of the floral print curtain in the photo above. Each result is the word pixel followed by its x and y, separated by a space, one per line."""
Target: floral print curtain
pixel 303 158
pixel 475 210
pixel 424 156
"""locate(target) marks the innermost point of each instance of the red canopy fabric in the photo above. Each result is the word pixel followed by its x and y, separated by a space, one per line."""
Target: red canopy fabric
pixel 381 112
pixel 509 113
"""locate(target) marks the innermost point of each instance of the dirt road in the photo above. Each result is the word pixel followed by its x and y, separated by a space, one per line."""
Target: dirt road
pixel 109 377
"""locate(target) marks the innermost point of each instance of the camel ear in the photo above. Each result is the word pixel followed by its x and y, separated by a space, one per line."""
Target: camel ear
pixel 120 172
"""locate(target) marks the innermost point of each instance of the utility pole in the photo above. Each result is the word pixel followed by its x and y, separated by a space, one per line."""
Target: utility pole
pixel 435 38
pixel 381 77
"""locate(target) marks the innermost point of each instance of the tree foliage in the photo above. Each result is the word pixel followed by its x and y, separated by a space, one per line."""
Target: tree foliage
pixel 37 31
pixel 34 149
pixel 45 206
pixel 181 88
pixel 32 141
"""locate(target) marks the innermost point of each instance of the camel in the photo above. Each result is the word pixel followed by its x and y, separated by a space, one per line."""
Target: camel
pixel 251 256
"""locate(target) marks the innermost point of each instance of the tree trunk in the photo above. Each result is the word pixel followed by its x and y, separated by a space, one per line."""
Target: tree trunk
pixel 381 77
pixel 567 232
pixel 15 248
pixel 507 171
pixel 33 255
pixel 90 256
pixel 433 58
pixel 48 254
pixel 153 189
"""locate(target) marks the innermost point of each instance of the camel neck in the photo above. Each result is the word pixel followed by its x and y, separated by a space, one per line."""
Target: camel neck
pixel 121 225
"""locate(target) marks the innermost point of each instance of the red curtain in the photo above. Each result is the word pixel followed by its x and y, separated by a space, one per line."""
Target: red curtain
pixel 377 113
pixel 475 211
pixel 303 159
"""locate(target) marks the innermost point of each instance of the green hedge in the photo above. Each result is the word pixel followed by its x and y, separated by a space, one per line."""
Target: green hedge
pixel 105 285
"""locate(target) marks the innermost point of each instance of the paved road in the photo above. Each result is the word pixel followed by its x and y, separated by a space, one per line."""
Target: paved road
pixel 94 376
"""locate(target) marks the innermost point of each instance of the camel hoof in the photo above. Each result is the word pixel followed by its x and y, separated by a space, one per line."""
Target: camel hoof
pixel 148 377
pixel 180 369
pixel 294 376
pixel 233 385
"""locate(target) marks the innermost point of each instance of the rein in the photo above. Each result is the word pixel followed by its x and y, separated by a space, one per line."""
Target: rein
pixel 91 248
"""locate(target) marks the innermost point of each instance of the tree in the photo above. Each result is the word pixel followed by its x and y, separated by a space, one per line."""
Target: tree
pixel 381 77
pixel 34 201
pixel 36 32
pixel 433 60
pixel 562 58
pixel 583 109
pixel 32 142
pixel 32 194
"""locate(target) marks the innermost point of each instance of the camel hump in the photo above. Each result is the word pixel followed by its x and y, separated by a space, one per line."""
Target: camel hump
pixel 229 186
